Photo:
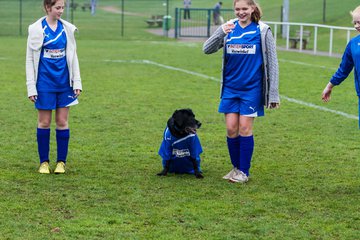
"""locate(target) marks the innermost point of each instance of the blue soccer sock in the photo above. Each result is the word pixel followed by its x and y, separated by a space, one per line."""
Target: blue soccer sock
pixel 43 140
pixel 246 152
pixel 62 140
pixel 234 152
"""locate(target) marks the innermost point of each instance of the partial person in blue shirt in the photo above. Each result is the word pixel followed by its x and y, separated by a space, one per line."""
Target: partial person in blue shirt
pixel 53 79
pixel 350 60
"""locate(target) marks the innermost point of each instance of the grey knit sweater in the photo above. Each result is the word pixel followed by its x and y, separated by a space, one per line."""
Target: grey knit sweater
pixel 270 62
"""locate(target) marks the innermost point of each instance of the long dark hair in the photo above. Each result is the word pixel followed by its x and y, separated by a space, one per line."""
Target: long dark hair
pixel 257 14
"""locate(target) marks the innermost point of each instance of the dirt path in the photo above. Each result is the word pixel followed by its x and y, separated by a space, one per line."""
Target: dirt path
pixel 117 10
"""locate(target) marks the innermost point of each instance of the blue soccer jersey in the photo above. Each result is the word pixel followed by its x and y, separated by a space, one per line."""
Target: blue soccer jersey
pixel 53 73
pixel 243 71
pixel 350 60
pixel 179 152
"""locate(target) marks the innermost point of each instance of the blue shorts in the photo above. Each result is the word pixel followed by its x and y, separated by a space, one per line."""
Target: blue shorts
pixel 54 100
pixel 241 106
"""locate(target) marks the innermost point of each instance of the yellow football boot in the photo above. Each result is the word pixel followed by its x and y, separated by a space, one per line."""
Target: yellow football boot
pixel 60 168
pixel 44 168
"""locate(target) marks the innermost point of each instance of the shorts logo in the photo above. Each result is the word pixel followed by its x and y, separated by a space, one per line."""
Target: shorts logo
pixel 252 108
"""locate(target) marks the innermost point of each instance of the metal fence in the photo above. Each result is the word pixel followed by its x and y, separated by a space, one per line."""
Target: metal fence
pixel 308 37
pixel 120 15
pixel 114 19
pixel 201 23
pixel 343 35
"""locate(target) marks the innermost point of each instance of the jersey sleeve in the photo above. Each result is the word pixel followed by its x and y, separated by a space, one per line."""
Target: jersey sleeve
pixel 165 147
pixel 195 149
pixel 346 66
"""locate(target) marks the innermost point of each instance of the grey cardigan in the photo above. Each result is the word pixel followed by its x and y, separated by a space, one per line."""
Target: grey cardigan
pixel 270 62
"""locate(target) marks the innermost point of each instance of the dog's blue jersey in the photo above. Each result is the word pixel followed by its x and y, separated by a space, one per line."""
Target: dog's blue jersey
pixel 243 71
pixel 179 152
pixel 53 73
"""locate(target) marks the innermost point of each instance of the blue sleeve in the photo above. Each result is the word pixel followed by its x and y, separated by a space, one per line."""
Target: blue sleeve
pixel 346 66
pixel 196 148
pixel 165 150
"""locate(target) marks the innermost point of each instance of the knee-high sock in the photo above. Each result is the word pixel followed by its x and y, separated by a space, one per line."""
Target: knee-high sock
pixel 246 152
pixel 43 140
pixel 234 152
pixel 62 140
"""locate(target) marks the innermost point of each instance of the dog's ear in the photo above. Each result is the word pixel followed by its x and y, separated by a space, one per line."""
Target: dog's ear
pixel 179 118
pixel 170 122
pixel 179 122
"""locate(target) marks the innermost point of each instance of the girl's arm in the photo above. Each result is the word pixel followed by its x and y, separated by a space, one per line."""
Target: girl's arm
pixel 346 66
pixel 273 71
pixel 30 72
pixel 215 42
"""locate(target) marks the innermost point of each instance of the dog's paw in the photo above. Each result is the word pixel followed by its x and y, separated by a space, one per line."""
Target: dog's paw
pixel 199 175
pixel 163 173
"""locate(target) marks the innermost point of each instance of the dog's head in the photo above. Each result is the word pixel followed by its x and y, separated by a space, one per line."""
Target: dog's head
pixel 183 123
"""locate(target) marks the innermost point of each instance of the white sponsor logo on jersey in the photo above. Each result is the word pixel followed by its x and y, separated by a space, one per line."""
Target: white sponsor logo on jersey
pixel 181 153
pixel 54 53
pixel 241 49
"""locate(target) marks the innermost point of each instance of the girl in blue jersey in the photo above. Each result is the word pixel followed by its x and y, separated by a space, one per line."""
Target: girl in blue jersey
pixel 53 79
pixel 350 60
pixel 250 79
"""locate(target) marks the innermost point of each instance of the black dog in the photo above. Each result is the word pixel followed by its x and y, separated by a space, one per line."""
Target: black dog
pixel 181 148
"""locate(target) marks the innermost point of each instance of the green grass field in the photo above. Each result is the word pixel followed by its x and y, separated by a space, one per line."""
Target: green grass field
pixel 305 181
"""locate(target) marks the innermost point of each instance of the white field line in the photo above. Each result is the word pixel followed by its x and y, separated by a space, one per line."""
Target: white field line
pixel 306 64
pixel 167 67
pixel 319 107
pixel 311 105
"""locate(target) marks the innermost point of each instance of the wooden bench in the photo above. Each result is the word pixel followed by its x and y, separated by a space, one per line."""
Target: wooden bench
pixel 155 20
pixel 296 39
pixel 74 6
pixel 86 6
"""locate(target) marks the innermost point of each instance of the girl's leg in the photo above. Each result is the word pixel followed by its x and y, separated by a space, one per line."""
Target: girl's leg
pixel 62 133
pixel 233 138
pixel 246 143
pixel 43 134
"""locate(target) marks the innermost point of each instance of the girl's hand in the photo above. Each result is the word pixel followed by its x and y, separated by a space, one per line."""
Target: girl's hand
pixel 228 27
pixel 77 92
pixel 33 98
pixel 274 105
pixel 327 92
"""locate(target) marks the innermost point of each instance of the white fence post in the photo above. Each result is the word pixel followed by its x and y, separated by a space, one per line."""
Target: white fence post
pixel 331 41
pixel 287 36
pixel 315 39
pixel 301 38
pixel 275 33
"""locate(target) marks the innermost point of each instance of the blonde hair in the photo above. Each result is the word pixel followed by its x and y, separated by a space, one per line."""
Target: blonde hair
pixel 257 14
pixel 355 11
